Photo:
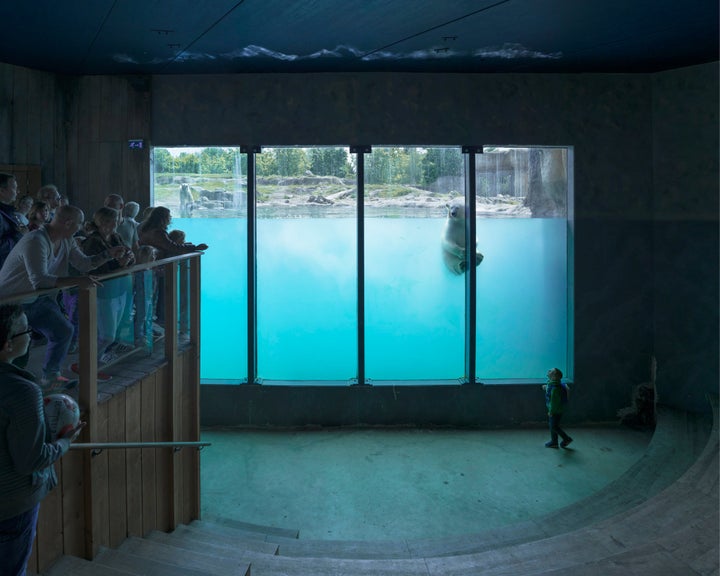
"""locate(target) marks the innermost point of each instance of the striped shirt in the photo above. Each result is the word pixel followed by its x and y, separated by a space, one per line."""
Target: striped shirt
pixel 26 456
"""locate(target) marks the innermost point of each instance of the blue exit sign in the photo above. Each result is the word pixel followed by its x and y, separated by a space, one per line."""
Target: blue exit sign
pixel 136 144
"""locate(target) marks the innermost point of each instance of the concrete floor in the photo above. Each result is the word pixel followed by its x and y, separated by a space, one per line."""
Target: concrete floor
pixel 405 484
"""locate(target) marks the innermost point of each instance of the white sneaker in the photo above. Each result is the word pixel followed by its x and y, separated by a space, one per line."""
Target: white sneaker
pixel 123 348
pixel 108 357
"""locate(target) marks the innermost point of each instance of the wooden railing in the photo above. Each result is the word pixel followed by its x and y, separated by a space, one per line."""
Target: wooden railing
pixel 104 498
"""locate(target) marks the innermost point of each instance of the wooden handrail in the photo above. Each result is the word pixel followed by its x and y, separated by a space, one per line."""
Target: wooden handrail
pixel 20 297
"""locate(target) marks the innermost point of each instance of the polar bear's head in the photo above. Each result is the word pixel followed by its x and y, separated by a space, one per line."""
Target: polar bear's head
pixel 456 208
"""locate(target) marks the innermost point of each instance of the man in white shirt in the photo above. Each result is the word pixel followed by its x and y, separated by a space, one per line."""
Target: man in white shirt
pixel 40 261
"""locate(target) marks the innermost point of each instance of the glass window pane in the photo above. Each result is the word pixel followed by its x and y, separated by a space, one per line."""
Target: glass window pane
pixel 414 305
pixel 522 283
pixel 306 265
pixel 206 191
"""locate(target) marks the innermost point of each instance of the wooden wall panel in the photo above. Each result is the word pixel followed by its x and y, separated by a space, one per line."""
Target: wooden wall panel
pixel 68 102
pixel 133 461
pixel 41 98
pixel 49 539
pixel 163 456
pixel 28 176
pixel 178 478
pixel 76 129
pixel 73 502
pixel 136 163
pixel 127 492
pixel 106 111
pixel 115 105
pixel 92 111
pixel 23 100
pixel 6 112
pixel 191 433
pixel 100 485
pixel 117 486
pixel 43 147
pixel 149 476
pixel 83 127
pixel 28 120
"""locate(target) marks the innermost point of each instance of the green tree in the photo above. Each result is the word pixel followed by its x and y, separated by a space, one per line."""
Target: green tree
pixel 329 162
pixel 386 166
pixel 213 161
pixel 266 162
pixel 162 160
pixel 413 165
pixel 187 163
pixel 441 162
pixel 291 161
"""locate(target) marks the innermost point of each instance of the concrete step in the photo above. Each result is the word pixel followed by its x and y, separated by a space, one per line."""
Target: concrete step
pixel 72 566
pixel 217 544
pixel 650 560
pixel 246 527
pixel 345 549
pixel 264 565
pixel 141 565
pixel 206 563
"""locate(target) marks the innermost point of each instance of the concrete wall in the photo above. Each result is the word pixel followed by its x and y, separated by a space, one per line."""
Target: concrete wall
pixel 646 215
pixel 685 241
pixel 616 127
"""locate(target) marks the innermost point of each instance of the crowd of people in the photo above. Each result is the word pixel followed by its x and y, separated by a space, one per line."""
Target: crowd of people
pixel 46 244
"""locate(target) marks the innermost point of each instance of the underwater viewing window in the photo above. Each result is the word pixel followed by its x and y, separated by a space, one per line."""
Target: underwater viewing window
pixel 344 265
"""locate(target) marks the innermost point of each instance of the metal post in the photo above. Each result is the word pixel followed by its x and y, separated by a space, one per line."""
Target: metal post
pixel 194 296
pixel 470 270
pixel 360 152
pixel 252 376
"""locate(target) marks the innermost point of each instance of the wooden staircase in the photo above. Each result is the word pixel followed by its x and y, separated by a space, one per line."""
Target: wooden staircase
pixel 659 518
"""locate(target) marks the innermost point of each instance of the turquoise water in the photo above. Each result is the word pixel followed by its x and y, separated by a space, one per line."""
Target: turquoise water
pixel 306 292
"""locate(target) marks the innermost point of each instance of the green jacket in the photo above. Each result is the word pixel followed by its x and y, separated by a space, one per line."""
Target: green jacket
pixel 553 398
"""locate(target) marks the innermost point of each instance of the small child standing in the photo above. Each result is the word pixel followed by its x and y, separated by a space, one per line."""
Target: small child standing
pixel 177 236
pixel 555 403
pixel 144 300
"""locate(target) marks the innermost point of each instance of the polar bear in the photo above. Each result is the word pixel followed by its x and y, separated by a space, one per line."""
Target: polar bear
pixel 453 238
pixel 187 202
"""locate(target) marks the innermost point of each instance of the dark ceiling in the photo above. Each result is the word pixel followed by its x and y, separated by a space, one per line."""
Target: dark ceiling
pixel 230 36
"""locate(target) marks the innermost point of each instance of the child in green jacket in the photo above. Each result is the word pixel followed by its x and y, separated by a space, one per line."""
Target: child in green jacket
pixel 555 405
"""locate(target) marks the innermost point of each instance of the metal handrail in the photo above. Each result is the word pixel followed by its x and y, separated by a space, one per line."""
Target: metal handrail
pixel 98 447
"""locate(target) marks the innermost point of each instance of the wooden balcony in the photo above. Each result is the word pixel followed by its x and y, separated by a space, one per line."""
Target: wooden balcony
pixel 104 497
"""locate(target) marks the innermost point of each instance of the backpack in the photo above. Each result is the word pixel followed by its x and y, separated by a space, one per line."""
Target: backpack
pixel 564 393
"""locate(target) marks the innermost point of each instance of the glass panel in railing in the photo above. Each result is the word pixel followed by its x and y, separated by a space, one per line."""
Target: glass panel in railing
pixel 183 300
pixel 116 339
pixel 114 334
pixel 124 324
pixel 144 301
